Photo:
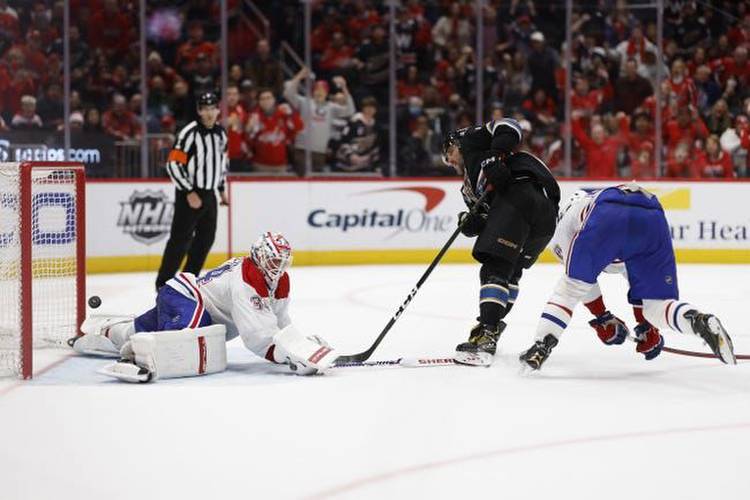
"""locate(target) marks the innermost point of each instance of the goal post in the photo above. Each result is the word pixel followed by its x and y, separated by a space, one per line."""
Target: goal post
pixel 42 259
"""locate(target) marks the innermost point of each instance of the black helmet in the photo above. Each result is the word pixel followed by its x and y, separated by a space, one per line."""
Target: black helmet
pixel 207 99
pixel 450 139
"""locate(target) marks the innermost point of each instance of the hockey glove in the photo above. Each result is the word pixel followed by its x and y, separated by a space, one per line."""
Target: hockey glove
pixel 610 329
pixel 471 224
pixel 650 341
pixel 496 172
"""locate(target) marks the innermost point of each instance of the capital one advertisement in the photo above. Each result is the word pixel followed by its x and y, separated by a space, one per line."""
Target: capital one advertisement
pixel 366 215
pixel 374 221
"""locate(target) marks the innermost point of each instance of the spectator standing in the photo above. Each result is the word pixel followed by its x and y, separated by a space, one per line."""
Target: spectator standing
pixel 685 128
pixel 359 149
pixel 601 150
pixel 318 115
pixel 236 123
pixel 372 60
pixel 452 30
pixel 189 52
pixel 631 89
pixel 270 129
pixel 264 70
pixel 542 63
pixel 197 167
pixel 111 30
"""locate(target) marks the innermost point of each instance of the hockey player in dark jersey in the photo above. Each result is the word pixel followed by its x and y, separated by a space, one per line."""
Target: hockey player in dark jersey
pixel 513 225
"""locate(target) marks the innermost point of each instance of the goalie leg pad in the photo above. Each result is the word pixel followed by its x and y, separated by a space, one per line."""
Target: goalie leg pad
pixel 179 353
pixel 304 355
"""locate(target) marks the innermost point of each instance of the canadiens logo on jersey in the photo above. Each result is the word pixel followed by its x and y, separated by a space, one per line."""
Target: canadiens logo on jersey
pixel 146 216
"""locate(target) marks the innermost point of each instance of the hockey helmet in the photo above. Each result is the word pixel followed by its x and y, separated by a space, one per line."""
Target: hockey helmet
pixel 208 99
pixel 272 253
pixel 450 139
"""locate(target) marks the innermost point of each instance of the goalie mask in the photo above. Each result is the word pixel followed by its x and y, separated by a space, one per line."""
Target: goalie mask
pixel 272 253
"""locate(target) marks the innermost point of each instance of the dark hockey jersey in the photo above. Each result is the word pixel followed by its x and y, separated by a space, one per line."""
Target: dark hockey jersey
pixel 491 143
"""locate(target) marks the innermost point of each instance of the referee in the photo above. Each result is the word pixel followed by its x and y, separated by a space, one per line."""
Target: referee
pixel 197 165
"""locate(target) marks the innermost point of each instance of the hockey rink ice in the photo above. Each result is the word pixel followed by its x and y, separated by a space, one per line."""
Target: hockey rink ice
pixel 597 422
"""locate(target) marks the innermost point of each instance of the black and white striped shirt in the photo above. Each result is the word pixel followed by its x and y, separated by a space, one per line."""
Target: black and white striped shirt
pixel 199 158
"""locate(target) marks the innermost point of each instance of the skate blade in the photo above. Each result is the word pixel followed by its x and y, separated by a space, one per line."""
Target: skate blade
pixel 473 359
pixel 726 349
pixel 526 369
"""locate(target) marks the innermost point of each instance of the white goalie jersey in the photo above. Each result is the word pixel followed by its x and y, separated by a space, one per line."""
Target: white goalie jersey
pixel 235 294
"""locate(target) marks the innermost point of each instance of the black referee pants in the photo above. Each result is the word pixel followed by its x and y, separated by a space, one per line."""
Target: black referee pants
pixel 192 233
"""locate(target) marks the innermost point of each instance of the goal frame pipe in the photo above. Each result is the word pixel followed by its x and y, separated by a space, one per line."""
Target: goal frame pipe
pixel 26 235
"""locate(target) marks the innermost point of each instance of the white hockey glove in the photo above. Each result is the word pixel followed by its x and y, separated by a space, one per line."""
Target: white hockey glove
pixel 304 355
pixel 101 335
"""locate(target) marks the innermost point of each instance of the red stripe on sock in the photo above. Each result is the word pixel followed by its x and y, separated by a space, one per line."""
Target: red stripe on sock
pixel 568 311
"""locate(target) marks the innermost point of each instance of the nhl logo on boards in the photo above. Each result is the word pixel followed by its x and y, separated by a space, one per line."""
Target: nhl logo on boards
pixel 146 216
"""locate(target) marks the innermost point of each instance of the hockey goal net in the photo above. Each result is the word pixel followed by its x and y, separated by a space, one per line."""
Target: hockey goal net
pixel 42 259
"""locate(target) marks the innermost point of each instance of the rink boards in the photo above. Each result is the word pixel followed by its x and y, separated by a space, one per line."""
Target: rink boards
pixel 363 221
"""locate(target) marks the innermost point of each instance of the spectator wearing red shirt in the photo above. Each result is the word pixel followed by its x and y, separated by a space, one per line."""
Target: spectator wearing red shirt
pixel 33 55
pixel 270 129
pixel 715 162
pixel 735 68
pixel 698 60
pixel 188 53
pixel 236 123
pixel 685 128
pixel 540 109
pixel 9 27
pixel 15 81
pixel 740 33
pixel 601 150
pixel 680 164
pixel 410 86
pixel 641 146
pixel 111 30
pixel 584 99
pixel 338 55
pixel 682 85
pixel 120 121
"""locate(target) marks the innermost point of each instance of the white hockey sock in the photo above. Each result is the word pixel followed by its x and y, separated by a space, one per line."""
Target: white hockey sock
pixel 559 310
pixel 668 315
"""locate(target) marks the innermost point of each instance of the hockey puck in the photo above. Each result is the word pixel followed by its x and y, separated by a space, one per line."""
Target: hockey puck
pixel 94 301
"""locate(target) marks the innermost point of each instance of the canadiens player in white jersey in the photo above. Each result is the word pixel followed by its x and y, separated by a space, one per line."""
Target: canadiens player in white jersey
pixel 186 332
pixel 620 229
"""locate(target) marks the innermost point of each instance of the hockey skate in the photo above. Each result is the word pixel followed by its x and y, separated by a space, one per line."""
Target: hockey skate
pixel 713 333
pixel 537 354
pixel 481 346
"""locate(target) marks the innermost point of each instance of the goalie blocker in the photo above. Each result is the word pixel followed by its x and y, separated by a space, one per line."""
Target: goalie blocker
pixel 149 356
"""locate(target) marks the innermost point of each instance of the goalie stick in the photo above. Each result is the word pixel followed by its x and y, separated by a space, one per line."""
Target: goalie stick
pixel 364 355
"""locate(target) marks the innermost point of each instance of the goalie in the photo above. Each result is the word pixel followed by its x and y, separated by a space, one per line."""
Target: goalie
pixel 185 333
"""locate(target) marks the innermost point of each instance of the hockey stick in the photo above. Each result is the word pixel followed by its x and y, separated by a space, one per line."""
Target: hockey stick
pixel 402 362
pixel 364 355
pixel 695 354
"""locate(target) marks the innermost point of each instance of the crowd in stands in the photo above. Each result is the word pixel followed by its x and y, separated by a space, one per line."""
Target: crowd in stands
pixel 274 127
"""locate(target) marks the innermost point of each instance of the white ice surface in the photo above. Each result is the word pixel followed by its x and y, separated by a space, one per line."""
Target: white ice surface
pixel 598 422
